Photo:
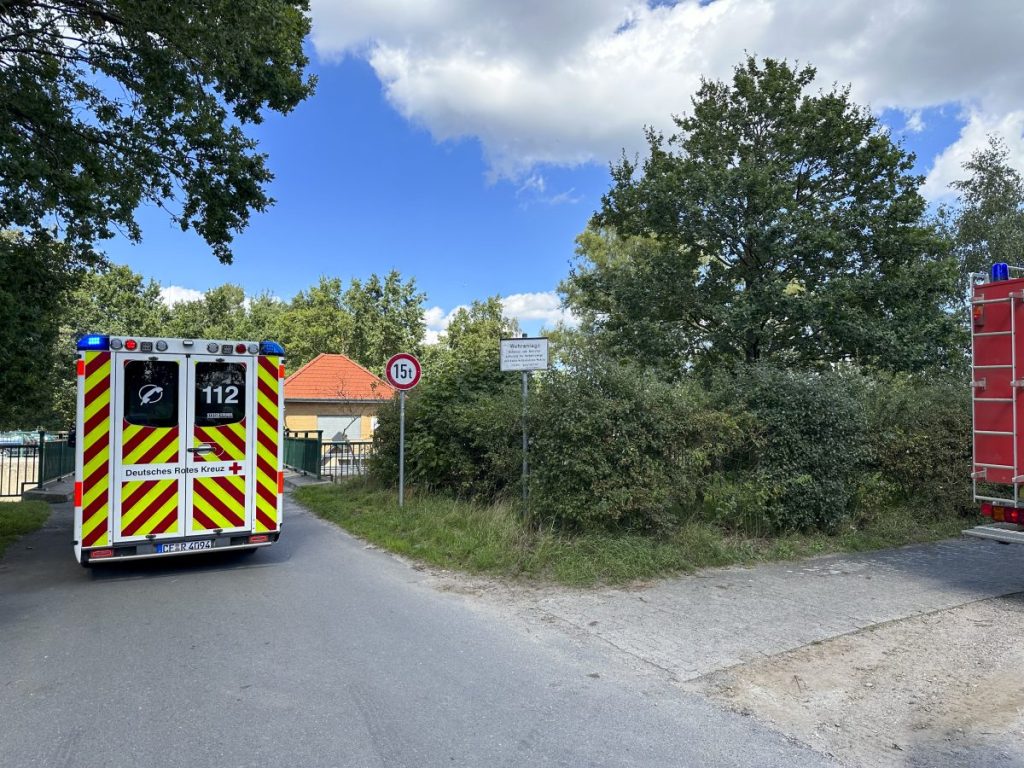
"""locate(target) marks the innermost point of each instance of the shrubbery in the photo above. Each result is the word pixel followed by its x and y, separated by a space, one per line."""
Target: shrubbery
pixel 758 449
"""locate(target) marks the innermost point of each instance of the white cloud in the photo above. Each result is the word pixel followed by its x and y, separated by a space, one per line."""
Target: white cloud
pixel 174 294
pixel 524 307
pixel 915 122
pixel 575 81
pixel 948 165
pixel 545 306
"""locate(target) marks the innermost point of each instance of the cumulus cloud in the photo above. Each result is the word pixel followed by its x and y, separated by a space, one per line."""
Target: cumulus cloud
pixel 573 82
pixel 174 294
pixel 948 165
pixel 545 306
pixel 523 307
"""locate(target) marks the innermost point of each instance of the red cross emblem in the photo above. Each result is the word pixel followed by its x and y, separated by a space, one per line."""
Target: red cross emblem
pixel 235 468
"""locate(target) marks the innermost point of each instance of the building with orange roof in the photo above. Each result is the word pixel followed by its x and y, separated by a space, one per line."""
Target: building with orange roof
pixel 334 394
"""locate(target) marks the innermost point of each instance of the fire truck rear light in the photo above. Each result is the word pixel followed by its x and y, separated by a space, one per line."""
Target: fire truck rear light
pixel 161 346
pixel 240 348
pixel 986 509
pixel 130 345
pixel 260 538
pixel 99 554
pixel 116 344
pixel 78 494
pixel 212 347
pixel 1013 516
pixel 254 349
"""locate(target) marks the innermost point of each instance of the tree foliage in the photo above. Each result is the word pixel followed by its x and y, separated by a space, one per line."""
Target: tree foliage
pixel 36 275
pixel 386 318
pixel 776 224
pixel 988 225
pixel 110 103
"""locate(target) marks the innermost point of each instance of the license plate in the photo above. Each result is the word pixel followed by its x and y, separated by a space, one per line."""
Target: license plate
pixel 184 546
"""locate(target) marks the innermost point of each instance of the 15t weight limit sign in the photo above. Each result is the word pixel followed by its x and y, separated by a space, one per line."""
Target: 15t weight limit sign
pixel 403 372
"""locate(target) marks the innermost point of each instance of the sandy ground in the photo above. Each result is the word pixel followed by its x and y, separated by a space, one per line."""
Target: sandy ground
pixel 942 689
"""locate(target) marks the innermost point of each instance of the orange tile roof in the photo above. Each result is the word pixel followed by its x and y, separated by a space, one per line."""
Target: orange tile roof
pixel 335 377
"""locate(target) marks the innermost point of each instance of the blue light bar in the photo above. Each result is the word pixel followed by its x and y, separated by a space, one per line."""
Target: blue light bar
pixel 271 348
pixel 93 343
pixel 1000 271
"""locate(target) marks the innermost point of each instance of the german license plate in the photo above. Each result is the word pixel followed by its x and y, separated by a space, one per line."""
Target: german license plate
pixel 184 546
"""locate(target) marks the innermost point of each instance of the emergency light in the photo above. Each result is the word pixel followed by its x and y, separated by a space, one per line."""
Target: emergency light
pixel 1000 271
pixel 93 343
pixel 271 348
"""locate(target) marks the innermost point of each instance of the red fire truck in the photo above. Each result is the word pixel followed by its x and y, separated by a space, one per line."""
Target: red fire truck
pixel 997 365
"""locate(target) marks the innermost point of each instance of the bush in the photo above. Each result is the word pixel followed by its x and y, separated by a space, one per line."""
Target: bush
pixel 814 445
pixel 614 447
pixel 920 437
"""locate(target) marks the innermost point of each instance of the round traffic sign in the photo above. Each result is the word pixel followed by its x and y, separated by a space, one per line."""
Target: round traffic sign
pixel 403 371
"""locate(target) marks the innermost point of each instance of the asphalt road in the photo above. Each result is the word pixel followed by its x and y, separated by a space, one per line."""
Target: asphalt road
pixel 317 652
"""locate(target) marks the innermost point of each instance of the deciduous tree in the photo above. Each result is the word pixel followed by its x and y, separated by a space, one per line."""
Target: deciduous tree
pixel 776 224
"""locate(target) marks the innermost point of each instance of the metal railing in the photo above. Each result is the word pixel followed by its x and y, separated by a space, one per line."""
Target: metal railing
pixel 307 452
pixel 302 450
pixel 341 459
pixel 33 459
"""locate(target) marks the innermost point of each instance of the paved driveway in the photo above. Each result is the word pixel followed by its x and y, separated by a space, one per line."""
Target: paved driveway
pixel 319 652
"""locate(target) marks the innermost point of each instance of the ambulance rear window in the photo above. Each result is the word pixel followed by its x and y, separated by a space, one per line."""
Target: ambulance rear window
pixel 220 393
pixel 151 393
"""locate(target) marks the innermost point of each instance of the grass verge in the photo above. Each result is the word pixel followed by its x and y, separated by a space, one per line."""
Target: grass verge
pixel 490 539
pixel 20 517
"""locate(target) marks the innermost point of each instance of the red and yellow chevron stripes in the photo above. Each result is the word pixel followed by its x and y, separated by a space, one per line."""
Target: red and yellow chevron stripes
pixel 218 502
pixel 227 439
pixel 268 412
pixel 148 445
pixel 149 506
pixel 96 450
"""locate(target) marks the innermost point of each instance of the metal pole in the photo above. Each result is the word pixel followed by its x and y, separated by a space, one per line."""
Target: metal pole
pixel 526 467
pixel 401 448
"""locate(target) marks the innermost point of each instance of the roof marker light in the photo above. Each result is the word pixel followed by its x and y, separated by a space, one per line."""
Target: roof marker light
pixel 130 345
pixel 94 343
pixel 240 348
pixel 116 344
pixel 161 346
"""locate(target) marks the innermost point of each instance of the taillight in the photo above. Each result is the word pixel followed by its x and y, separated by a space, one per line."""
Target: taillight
pixel 99 554
pixel 1007 515
pixel 978 315
pixel 986 509
pixel 259 538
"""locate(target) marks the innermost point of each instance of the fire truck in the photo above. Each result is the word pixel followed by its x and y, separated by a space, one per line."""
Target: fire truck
pixel 997 381
pixel 178 446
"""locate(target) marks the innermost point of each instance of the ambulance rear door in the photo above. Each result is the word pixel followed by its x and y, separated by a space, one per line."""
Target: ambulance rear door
pixel 148 499
pixel 221 444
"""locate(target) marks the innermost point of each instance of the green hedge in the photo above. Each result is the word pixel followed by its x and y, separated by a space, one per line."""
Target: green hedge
pixel 759 448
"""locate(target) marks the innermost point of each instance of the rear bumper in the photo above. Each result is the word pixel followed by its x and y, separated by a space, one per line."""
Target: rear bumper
pixel 1008 533
pixel 146 550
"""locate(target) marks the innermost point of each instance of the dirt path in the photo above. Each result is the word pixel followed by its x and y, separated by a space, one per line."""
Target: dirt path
pixel 945 688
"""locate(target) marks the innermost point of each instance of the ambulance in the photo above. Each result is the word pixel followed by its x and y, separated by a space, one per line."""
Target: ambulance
pixel 178 446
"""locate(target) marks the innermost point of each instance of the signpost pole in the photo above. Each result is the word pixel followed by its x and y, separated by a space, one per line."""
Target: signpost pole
pixel 402 372
pixel 401 448
pixel 526 468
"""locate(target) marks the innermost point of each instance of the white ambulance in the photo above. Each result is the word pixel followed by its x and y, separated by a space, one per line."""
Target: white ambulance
pixel 178 446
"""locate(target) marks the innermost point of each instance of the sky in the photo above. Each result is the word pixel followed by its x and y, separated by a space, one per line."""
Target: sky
pixel 466 143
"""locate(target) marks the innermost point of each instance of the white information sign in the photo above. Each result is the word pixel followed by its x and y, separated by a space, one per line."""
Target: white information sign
pixel 524 354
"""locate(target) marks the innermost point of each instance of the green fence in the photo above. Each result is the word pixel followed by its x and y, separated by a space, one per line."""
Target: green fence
pixel 56 459
pixel 302 451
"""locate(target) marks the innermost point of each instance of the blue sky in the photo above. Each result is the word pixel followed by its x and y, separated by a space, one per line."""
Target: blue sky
pixel 468 151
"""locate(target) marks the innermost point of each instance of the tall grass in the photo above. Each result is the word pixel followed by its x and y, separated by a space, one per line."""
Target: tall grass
pixel 491 539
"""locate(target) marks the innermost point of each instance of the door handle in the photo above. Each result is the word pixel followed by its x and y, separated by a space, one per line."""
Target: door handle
pixel 202 448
